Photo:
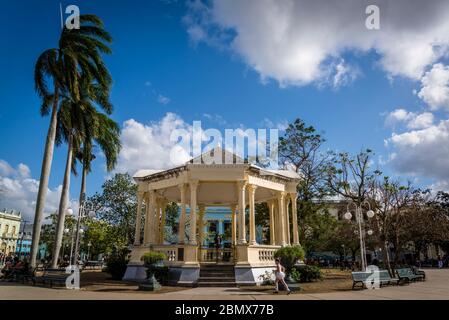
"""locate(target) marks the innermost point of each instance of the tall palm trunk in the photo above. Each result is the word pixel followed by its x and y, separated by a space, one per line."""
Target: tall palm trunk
pixel 63 205
pixel 78 224
pixel 45 175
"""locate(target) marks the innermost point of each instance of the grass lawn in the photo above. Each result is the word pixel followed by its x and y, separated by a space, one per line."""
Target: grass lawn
pixel 333 280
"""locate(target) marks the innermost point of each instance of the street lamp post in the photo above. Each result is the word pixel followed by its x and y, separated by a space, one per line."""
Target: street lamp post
pixel 88 250
pixel 85 206
pixel 360 221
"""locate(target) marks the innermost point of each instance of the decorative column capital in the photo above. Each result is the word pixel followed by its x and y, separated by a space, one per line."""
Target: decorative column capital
pixel 252 188
pixel 140 194
pixel 241 184
pixel 193 184
pixel 182 186
pixel 293 196
pixel 281 195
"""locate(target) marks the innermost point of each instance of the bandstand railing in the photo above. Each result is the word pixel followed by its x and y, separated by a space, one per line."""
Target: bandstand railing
pixel 216 255
pixel 172 252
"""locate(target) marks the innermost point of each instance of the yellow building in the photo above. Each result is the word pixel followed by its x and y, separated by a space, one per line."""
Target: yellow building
pixel 9 231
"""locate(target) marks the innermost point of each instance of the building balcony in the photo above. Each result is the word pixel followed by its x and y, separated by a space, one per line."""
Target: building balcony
pixel 9 236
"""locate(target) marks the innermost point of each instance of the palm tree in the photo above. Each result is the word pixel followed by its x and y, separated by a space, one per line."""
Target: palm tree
pixel 80 121
pixel 106 133
pixel 79 50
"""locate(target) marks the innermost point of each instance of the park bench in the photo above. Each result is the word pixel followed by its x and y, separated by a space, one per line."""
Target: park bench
pixel 359 277
pixel 93 265
pixel 406 274
pixel 418 272
pixel 52 276
pixel 29 275
pixel 385 278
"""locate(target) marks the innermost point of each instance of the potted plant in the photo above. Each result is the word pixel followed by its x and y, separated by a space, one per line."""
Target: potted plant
pixel 151 261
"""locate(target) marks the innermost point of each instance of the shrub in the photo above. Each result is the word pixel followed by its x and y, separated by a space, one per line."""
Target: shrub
pixel 117 262
pixel 306 273
pixel 267 278
pixel 289 256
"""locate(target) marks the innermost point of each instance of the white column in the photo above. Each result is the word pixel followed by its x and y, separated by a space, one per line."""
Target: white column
pixel 252 214
pixel 193 188
pixel 157 220
pixel 201 210
pixel 281 227
pixel 270 204
pixel 138 218
pixel 182 218
pixel 241 185
pixel 234 224
pixel 162 227
pixel 277 223
pixel 293 197
pixel 287 219
pixel 149 221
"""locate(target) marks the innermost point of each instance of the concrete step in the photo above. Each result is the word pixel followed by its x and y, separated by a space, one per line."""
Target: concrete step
pixel 217 274
pixel 218 269
pixel 217 284
pixel 215 279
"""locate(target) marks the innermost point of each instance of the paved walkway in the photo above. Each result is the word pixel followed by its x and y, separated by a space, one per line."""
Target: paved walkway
pixel 436 287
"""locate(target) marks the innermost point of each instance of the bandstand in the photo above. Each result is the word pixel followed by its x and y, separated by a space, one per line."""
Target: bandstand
pixel 200 184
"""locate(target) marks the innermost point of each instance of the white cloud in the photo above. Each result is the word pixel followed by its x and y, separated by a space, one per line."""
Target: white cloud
pixel 162 99
pixel 344 74
pixel 148 146
pixel 412 120
pixel 215 118
pixel 435 87
pixel 267 123
pixel 296 42
pixel 422 152
pixel 18 191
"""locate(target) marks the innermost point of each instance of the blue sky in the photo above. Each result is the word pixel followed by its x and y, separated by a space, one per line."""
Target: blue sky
pixel 168 57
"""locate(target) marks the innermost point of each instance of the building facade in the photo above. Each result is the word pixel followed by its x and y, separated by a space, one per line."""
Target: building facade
pixel 9 231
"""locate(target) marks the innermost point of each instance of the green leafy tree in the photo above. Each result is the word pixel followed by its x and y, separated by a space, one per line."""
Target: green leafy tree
pixel 172 215
pixel 117 204
pixel 102 237
pixel 301 149
pixel 48 234
pixel 262 218
pixel 289 256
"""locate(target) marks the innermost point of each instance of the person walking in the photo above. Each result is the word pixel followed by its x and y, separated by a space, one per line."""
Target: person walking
pixel 279 273
pixel 440 262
